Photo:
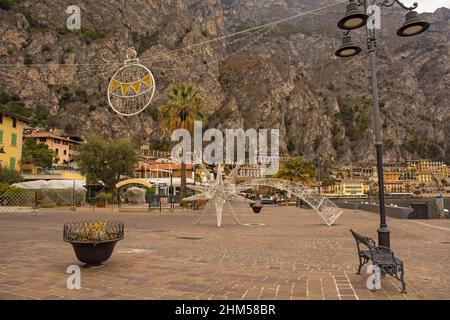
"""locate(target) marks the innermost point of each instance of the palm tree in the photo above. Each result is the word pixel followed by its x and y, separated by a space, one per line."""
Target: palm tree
pixel 184 106
pixel 296 169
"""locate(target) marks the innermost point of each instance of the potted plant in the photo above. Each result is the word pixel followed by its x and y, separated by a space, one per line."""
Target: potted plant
pixel 102 199
pixel 93 241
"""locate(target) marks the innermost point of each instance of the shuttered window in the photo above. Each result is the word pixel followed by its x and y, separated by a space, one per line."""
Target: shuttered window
pixel 14 140
pixel 12 164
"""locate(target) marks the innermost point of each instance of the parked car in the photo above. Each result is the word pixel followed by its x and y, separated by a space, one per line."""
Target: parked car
pixel 267 200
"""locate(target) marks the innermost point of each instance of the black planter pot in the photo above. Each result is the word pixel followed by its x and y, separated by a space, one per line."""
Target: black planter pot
pixel 94 254
pixel 256 208
pixel 93 246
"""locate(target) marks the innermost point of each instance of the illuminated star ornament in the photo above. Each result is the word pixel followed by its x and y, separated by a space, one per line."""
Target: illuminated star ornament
pixel 220 191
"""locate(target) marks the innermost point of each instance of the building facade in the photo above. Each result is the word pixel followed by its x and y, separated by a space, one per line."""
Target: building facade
pixel 406 177
pixel 11 139
pixel 347 188
pixel 65 147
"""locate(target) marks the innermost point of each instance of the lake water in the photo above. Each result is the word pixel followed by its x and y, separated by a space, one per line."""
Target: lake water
pixel 404 203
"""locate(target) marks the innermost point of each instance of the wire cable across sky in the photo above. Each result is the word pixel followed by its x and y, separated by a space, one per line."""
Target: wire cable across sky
pixel 203 43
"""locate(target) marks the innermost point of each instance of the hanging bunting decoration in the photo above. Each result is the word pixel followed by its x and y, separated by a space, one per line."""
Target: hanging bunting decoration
pixel 132 87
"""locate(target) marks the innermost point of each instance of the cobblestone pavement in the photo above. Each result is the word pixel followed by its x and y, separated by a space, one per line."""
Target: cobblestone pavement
pixel 284 253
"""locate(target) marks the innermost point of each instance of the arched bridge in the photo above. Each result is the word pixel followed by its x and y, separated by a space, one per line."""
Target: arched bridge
pixel 324 207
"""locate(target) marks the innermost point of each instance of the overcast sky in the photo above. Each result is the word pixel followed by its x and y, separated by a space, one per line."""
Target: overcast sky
pixel 429 5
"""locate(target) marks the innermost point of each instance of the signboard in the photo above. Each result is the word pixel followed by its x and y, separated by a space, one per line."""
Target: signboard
pixel 172 199
pixel 154 202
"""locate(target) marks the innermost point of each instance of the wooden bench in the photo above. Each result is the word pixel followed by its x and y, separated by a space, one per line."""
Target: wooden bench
pixel 381 256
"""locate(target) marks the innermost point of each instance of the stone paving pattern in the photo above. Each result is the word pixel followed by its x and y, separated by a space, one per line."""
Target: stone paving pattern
pixel 166 256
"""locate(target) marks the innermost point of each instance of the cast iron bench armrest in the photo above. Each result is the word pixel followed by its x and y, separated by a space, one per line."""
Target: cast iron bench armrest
pixel 381 256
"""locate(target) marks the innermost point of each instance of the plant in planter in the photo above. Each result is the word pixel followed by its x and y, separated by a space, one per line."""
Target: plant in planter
pixel 102 199
pixel 93 241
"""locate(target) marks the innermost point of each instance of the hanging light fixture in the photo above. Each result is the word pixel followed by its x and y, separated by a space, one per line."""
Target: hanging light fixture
pixel 413 25
pixel 354 18
pixel 348 48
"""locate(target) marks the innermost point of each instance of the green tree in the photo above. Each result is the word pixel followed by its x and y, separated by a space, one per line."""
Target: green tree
pixel 106 161
pixel 13 103
pixel 40 116
pixel 7 4
pixel 296 169
pixel 18 107
pixel 184 106
pixel 38 155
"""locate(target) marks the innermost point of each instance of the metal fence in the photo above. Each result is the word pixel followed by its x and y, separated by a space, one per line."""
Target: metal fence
pixel 14 201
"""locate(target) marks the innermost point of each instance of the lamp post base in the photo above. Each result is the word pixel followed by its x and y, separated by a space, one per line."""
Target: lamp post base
pixel 384 237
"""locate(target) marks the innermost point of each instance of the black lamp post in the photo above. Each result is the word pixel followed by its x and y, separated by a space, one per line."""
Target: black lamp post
pixel 356 18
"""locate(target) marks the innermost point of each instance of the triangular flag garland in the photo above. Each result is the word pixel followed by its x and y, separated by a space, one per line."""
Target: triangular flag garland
pixel 125 87
pixel 148 81
pixel 114 85
pixel 136 86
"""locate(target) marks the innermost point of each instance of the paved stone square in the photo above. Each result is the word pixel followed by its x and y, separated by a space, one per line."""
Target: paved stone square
pixel 284 253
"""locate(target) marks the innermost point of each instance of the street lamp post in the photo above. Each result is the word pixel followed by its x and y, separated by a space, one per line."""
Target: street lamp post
pixel 354 19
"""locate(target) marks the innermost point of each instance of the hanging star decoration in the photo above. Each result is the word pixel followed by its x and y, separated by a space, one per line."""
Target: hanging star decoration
pixel 220 191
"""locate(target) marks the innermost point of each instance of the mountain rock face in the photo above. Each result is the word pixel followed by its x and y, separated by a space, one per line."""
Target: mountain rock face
pixel 283 76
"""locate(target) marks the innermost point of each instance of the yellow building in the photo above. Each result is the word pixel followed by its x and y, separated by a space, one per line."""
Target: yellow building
pixel 347 189
pixel 11 128
pixel 352 188
pixel 391 176
pixel 366 188
pixel 425 178
pixel 396 187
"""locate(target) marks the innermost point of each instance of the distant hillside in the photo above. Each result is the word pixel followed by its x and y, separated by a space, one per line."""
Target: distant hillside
pixel 289 79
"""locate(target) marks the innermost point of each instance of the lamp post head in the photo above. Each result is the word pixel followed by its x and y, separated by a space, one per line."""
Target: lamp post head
pixel 354 18
pixel 413 25
pixel 348 48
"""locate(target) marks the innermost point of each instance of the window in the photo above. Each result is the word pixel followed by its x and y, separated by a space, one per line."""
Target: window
pixel 14 140
pixel 57 141
pixel 65 152
pixel 1 118
pixel 57 150
pixel 14 122
pixel 42 140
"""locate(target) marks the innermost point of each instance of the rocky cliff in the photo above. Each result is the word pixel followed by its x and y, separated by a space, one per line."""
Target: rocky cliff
pixel 284 77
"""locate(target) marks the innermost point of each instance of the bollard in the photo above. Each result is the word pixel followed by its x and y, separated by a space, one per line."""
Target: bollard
pixel 35 204
pixel 440 207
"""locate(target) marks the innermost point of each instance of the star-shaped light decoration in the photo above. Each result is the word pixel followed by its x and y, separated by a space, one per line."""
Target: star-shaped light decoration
pixel 221 191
